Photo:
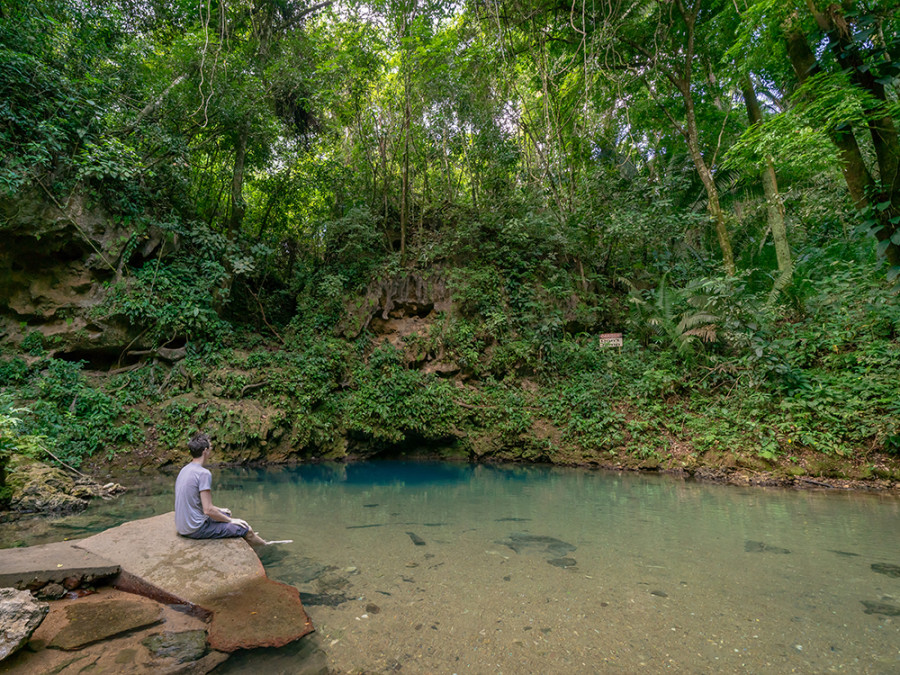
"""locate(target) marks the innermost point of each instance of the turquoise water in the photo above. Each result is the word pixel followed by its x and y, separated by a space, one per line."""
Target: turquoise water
pixel 455 568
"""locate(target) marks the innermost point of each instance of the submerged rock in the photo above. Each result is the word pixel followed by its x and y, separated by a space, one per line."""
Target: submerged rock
pixel 20 615
pixel 883 608
pixel 92 622
pixel 186 646
pixel 519 542
pixel 300 571
pixel 762 547
pixel 887 568
pixel 416 539
pixel 323 599
pixel 563 562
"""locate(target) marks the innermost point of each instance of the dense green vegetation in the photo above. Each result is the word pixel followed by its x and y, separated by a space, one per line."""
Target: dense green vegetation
pixel 719 180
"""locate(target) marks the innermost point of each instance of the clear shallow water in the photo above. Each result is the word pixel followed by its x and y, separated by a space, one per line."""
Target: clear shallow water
pixel 452 568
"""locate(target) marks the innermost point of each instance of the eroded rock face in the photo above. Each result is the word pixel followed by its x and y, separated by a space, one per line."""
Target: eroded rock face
pixel 54 266
pixel 402 299
pixel 20 615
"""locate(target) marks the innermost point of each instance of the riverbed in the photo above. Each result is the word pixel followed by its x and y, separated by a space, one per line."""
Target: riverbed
pixel 426 567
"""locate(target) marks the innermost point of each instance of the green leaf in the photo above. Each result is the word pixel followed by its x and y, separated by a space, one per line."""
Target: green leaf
pixel 893 273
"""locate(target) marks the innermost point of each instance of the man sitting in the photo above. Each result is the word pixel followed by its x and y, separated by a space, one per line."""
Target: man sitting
pixel 195 515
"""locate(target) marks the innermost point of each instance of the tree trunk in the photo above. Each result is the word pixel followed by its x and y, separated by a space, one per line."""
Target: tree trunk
pixel 774 205
pixel 691 134
pixel 404 188
pixel 879 122
pixel 864 189
pixel 238 207
pixel 712 192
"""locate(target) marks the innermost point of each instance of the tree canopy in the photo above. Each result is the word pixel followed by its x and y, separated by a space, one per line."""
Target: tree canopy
pixel 702 173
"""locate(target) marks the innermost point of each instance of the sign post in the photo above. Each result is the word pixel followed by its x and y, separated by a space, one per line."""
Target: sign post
pixel 611 339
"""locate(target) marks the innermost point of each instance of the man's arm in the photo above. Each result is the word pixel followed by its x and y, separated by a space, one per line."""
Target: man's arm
pixel 213 512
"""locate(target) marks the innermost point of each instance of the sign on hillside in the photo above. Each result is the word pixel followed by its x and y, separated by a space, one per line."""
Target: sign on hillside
pixel 610 339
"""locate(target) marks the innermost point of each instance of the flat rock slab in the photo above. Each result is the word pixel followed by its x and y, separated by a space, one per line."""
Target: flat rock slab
pixel 191 569
pixel 262 613
pixel 35 566
pixel 124 653
pixel 90 623
pixel 222 576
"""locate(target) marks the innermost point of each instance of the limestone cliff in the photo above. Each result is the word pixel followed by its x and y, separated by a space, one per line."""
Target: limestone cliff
pixel 55 265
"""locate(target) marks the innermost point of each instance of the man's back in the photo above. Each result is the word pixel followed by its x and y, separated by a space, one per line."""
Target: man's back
pixel 191 480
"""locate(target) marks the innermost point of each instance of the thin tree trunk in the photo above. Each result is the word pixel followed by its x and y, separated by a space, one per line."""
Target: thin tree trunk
pixel 404 188
pixel 238 207
pixel 774 204
pixel 712 192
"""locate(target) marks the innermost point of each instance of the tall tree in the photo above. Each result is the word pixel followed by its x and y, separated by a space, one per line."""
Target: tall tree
pixel 774 204
pixel 669 45
pixel 848 53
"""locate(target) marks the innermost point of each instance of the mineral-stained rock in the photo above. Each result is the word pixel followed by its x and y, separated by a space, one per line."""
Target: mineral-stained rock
pixel 89 623
pixel 182 647
pixel 20 614
pixel 224 577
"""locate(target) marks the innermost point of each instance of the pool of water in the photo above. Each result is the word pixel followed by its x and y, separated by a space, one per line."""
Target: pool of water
pixel 455 568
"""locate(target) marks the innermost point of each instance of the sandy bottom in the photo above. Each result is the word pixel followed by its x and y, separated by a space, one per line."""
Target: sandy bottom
pixel 489 592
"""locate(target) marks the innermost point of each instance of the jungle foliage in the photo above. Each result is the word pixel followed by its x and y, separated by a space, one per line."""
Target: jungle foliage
pixel 717 179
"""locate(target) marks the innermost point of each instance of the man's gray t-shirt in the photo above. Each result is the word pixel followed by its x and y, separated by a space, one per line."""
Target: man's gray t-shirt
pixel 189 514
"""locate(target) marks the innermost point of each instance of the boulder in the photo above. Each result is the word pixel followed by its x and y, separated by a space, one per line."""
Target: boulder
pixel 223 578
pixel 20 615
pixel 40 488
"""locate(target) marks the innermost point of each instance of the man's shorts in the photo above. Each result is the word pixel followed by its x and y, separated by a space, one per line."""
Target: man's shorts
pixel 215 530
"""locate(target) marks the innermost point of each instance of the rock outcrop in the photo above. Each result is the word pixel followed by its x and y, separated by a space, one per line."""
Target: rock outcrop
pixel 222 577
pixel 55 265
pixel 39 488
pixel 20 615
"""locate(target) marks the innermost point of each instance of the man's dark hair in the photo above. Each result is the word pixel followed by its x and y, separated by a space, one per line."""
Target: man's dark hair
pixel 198 444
